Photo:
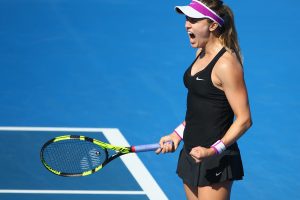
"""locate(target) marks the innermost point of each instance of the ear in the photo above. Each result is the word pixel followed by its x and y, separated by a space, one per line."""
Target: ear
pixel 213 26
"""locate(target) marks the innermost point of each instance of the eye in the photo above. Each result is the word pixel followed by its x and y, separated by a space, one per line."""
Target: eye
pixel 192 20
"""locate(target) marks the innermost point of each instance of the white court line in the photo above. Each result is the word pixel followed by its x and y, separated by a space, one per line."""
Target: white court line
pixel 136 167
pixel 110 192
pixel 58 129
pixel 131 161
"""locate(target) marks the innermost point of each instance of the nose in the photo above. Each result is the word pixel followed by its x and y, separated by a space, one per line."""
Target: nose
pixel 187 24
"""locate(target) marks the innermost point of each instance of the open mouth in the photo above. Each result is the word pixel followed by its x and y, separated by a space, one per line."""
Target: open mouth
pixel 192 35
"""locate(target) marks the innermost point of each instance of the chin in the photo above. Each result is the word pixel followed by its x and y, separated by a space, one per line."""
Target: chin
pixel 194 46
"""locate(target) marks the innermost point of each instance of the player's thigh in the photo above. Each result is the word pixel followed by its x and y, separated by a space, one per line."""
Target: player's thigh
pixel 191 192
pixel 219 191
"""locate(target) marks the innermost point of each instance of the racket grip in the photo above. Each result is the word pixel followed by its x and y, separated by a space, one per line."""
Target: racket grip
pixel 147 147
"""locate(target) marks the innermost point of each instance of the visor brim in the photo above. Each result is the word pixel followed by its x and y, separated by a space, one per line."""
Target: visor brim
pixel 189 11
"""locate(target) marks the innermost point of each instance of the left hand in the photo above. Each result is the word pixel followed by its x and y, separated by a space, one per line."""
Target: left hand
pixel 199 153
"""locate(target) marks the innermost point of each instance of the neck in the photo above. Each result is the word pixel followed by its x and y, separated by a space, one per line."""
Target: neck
pixel 213 46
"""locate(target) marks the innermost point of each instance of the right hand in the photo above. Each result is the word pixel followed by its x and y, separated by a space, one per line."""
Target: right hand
pixel 166 146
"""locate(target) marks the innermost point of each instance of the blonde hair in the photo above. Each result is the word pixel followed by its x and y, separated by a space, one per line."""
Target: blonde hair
pixel 227 33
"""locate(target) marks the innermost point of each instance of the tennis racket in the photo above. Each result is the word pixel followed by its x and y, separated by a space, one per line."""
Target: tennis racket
pixel 74 155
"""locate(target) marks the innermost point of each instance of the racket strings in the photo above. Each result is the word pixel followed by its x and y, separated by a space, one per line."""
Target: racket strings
pixel 74 156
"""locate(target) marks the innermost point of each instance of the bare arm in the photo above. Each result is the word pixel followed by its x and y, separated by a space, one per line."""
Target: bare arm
pixel 175 137
pixel 230 77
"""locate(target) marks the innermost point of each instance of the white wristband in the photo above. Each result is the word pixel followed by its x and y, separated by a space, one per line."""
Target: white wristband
pixel 179 130
pixel 219 147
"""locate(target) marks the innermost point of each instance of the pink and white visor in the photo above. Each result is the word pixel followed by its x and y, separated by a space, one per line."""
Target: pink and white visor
pixel 199 10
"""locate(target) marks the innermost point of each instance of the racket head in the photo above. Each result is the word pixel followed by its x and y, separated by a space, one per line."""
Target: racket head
pixel 73 155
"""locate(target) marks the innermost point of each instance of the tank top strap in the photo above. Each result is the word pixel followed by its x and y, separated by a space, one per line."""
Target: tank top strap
pixel 216 58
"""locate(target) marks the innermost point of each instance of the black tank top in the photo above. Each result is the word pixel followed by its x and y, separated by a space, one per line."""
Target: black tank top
pixel 208 114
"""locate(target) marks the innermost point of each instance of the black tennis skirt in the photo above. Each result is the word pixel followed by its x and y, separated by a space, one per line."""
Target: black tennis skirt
pixel 215 169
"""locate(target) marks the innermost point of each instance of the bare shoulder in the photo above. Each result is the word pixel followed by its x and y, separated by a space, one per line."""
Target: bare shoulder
pixel 228 66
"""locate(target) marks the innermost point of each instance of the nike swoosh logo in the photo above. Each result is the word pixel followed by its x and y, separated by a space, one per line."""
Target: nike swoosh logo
pixel 218 174
pixel 199 79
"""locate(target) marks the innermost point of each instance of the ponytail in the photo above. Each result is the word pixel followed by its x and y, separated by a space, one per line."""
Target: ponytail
pixel 227 33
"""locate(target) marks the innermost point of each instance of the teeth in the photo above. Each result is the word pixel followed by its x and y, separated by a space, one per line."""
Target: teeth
pixel 191 34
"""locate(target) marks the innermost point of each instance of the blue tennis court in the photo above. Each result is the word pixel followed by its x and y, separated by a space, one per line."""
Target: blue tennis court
pixel 113 70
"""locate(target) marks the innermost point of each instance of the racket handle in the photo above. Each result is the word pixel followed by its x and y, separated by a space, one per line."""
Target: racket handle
pixel 147 147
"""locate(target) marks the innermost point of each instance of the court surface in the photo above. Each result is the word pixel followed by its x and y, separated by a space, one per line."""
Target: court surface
pixel 113 70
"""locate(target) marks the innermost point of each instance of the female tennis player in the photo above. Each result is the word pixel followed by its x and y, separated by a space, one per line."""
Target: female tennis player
pixel 218 112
